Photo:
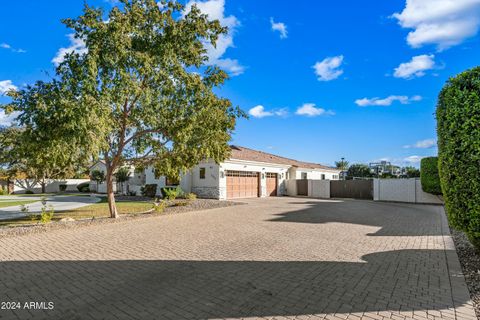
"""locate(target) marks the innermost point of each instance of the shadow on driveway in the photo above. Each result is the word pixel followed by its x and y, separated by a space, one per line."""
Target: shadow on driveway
pixel 394 219
pixel 404 280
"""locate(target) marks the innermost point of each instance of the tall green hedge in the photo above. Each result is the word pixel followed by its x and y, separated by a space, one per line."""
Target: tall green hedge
pixel 429 175
pixel 458 130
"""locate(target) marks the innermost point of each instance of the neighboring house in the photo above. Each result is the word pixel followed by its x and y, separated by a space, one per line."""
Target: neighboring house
pixel 136 181
pixel 247 173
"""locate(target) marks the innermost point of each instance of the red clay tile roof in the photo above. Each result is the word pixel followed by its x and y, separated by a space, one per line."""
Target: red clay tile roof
pixel 242 153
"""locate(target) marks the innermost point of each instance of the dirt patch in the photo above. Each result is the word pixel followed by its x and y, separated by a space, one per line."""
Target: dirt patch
pixel 470 261
pixel 173 207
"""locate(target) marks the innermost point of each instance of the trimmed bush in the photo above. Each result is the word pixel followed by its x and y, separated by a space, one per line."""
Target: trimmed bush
pixel 149 190
pixel 458 130
pixel 29 192
pixel 62 187
pixel 429 175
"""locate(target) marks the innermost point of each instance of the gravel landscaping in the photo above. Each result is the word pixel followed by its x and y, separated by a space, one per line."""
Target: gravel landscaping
pixel 173 207
pixel 470 261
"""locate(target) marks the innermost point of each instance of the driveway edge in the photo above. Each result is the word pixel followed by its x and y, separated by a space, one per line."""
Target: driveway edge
pixel 460 294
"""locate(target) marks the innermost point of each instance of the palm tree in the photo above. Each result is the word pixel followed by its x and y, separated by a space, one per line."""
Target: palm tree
pixel 342 165
pixel 122 175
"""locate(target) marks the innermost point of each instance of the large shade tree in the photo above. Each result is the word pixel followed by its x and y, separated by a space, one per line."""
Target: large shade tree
pixel 140 91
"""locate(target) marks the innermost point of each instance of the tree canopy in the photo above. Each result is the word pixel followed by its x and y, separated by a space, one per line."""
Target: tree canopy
pixel 139 91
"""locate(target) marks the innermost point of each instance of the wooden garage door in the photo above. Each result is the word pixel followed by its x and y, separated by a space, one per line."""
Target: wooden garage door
pixel 271 184
pixel 242 184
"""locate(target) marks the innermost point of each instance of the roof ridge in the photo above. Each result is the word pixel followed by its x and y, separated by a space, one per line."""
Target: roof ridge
pixel 290 161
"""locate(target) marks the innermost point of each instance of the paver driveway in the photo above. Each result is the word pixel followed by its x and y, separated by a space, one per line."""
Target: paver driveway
pixel 271 258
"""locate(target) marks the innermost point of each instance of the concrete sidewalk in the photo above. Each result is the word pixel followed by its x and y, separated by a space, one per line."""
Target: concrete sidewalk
pixel 58 202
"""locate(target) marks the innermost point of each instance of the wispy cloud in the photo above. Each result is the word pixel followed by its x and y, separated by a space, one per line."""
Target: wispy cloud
pixel 76 45
pixel 416 67
pixel 413 159
pixel 444 23
pixel 386 101
pixel 260 112
pixel 9 47
pixel 215 9
pixel 311 110
pixel 422 144
pixel 280 27
pixel 329 68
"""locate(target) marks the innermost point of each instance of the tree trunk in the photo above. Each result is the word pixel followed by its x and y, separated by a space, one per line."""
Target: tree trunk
pixel 42 183
pixel 110 195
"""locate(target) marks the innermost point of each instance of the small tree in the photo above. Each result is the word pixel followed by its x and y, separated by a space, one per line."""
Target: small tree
pixel 359 170
pixel 121 176
pixel 458 130
pixel 412 172
pixel 98 176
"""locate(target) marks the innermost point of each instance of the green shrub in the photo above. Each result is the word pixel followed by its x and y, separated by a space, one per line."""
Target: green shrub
pixel 458 130
pixel 149 190
pixel 170 193
pixel 29 192
pixel 160 206
pixel 190 196
pixel 62 187
pixel 47 214
pixel 3 191
pixel 429 175
pixel 84 187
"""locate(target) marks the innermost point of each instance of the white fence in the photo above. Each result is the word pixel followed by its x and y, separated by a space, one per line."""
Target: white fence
pixel 319 188
pixel 21 186
pixel 402 190
pixel 396 190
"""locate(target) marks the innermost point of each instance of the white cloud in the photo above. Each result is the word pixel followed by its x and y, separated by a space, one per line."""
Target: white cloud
pixel 9 47
pixel 386 101
pixel 76 45
pixel 416 67
pixel 6 120
pixel 423 144
pixel 329 68
pixel 413 159
pixel 215 9
pixel 280 27
pixel 444 23
pixel 260 112
pixel 310 110
pixel 6 85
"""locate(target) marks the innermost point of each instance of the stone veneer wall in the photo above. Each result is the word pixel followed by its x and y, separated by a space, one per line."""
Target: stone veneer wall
pixel 207 192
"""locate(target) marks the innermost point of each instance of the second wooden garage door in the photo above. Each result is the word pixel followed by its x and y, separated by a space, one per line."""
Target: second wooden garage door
pixel 242 184
pixel 271 184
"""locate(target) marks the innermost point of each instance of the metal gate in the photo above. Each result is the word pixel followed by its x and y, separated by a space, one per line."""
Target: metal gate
pixel 302 187
pixel 356 189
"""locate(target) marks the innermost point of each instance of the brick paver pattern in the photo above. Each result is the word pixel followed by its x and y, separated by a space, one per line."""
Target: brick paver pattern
pixel 275 258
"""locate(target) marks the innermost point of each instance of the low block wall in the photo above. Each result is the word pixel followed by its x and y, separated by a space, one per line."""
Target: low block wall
pixel 20 186
pixel 402 190
pixel 319 188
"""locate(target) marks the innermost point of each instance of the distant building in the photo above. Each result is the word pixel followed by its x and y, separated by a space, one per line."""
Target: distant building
pixel 385 167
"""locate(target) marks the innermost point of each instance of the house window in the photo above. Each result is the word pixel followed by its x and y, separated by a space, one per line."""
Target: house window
pixel 304 175
pixel 323 176
pixel 202 173
pixel 171 181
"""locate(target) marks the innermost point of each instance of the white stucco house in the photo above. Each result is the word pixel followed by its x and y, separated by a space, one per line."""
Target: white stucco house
pixel 247 173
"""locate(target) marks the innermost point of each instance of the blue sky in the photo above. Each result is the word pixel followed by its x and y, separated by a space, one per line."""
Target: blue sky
pixel 321 79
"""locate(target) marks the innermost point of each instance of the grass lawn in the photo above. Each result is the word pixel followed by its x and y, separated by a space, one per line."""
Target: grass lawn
pixel 97 210
pixel 9 203
pixel 100 210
